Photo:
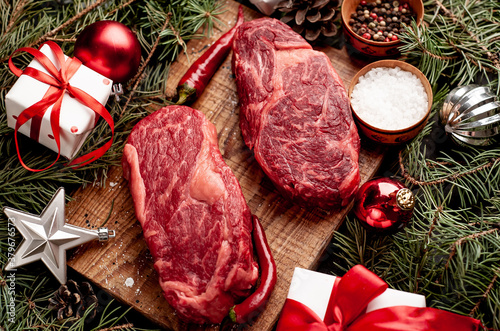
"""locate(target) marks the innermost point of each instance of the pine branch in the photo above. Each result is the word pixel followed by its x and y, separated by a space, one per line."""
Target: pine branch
pixel 140 73
pixel 118 327
pixel 16 13
pixel 460 241
pixel 492 57
pixel 124 5
pixel 67 23
pixel 450 252
pixel 451 177
pixel 459 41
pixel 146 90
pixel 485 294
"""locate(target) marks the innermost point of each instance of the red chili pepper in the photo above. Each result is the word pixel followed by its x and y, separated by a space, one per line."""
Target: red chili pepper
pixel 245 311
pixel 201 71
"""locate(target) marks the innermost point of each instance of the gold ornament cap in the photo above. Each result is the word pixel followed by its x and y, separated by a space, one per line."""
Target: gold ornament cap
pixel 405 199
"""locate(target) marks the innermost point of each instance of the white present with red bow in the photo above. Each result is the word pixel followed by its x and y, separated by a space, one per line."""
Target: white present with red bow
pixel 360 301
pixel 76 120
pixel 313 289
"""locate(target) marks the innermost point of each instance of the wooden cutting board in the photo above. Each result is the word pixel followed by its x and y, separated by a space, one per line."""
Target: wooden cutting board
pixel 297 236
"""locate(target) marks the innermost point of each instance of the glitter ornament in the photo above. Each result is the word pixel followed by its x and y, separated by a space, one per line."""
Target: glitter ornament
pixel 110 48
pixel 384 205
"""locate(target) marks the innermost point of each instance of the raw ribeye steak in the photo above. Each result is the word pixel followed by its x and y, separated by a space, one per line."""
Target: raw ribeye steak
pixel 295 114
pixel 193 214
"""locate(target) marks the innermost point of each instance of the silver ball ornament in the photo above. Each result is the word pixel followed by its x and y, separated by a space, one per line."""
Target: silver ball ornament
pixel 471 115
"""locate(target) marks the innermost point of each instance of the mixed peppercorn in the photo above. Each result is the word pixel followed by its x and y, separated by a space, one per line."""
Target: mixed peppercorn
pixel 380 20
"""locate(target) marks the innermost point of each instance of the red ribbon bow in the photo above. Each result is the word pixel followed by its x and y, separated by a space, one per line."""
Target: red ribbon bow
pixel 346 310
pixel 59 85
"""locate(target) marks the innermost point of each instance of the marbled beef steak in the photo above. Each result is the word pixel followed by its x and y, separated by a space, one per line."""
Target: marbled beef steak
pixel 295 115
pixel 194 217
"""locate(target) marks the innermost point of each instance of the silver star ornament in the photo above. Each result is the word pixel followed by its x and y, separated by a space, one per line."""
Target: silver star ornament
pixel 48 236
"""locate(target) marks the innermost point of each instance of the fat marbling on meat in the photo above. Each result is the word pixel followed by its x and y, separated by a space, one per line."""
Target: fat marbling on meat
pixel 194 217
pixel 295 115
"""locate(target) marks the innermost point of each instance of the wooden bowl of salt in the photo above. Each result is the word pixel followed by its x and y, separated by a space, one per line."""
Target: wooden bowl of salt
pixel 390 101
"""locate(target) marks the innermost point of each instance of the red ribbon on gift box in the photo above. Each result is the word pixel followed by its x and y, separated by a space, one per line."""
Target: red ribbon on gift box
pixel 346 310
pixel 59 85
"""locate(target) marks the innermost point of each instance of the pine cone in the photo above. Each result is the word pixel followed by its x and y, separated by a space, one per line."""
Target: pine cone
pixel 311 18
pixel 72 299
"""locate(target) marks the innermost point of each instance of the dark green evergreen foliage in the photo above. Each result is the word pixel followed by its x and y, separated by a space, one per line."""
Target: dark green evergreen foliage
pixel 451 250
pixel 163 28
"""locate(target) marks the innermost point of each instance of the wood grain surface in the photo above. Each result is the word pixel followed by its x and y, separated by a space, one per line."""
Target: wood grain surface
pixel 297 236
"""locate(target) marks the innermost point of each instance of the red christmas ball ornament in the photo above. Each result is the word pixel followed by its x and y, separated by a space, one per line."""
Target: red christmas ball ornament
pixel 110 48
pixel 384 205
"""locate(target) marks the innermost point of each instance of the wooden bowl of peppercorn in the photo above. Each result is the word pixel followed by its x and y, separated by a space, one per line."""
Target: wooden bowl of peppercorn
pixel 372 27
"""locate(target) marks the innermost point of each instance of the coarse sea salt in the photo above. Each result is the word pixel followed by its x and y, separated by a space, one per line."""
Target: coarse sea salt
pixel 129 282
pixel 389 98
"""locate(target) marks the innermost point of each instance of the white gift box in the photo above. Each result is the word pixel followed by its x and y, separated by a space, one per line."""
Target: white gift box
pixel 265 6
pixel 313 290
pixel 76 120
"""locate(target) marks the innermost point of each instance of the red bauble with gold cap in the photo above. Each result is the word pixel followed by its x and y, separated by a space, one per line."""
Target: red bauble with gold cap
pixel 110 48
pixel 384 205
